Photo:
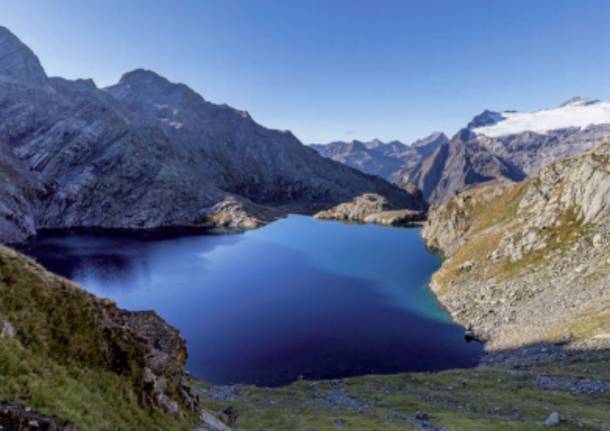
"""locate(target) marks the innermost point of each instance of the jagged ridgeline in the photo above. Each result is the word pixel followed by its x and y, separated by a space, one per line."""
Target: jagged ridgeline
pixel 494 147
pixel 148 153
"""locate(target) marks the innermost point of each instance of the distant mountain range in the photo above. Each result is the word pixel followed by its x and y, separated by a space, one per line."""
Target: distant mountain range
pixel 385 159
pixel 148 153
pixel 494 146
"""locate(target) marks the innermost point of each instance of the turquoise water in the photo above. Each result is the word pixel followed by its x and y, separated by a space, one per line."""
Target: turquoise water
pixel 297 298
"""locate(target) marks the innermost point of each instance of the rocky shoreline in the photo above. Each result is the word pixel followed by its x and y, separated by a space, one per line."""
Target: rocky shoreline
pixel 372 208
pixel 514 250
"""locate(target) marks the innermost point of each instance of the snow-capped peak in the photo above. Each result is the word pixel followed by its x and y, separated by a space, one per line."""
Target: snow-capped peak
pixel 576 112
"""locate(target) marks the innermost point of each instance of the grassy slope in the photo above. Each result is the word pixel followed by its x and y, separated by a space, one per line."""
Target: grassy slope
pixel 55 365
pixel 477 399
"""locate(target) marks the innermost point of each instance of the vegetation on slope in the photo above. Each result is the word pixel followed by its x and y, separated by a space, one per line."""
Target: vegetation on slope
pixel 515 250
pixel 474 399
pixel 68 359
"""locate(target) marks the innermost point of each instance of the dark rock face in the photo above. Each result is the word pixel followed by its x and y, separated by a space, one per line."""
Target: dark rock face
pixel 485 118
pixel 459 165
pixel 388 160
pixel 163 352
pixel 15 417
pixel 149 153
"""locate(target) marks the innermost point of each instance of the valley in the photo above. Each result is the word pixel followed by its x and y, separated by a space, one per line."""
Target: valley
pixel 169 263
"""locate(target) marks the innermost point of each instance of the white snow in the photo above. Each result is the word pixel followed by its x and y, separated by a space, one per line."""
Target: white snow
pixel 573 115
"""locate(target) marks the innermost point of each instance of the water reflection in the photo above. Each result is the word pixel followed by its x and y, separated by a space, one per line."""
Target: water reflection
pixel 297 298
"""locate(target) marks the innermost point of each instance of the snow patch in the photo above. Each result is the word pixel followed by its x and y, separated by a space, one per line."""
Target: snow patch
pixel 570 115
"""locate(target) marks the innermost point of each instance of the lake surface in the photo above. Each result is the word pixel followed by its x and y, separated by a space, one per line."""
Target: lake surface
pixel 297 298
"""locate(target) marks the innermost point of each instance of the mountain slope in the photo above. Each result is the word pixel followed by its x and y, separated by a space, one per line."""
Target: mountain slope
pixel 494 147
pixel 458 165
pixel 66 353
pixel 387 160
pixel 541 244
pixel 148 153
pixel 507 146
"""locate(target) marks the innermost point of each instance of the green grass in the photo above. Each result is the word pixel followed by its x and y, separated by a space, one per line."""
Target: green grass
pixel 57 364
pixel 476 399
pixel 90 398
pixel 558 240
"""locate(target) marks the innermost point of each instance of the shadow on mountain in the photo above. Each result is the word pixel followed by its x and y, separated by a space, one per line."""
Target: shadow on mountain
pixel 559 353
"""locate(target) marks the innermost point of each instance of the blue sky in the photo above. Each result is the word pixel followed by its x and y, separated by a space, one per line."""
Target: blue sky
pixel 336 69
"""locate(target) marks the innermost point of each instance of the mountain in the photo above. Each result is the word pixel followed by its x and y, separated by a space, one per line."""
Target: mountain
pixel 457 165
pixel 385 159
pixel 148 153
pixel 509 146
pixel 513 250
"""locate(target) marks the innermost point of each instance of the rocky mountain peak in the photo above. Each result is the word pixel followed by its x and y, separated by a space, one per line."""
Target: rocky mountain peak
pixel 374 143
pixel 485 118
pixel 144 77
pixel 149 87
pixel 18 63
pixel 431 141
pixel 465 135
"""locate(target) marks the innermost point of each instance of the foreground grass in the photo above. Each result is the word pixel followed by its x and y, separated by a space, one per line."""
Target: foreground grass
pixel 90 398
pixel 477 399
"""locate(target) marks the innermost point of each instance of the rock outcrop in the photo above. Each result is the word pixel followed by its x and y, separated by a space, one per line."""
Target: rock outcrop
pixel 529 262
pixel 372 208
pixel 148 153
pixel 50 317
pixel 16 417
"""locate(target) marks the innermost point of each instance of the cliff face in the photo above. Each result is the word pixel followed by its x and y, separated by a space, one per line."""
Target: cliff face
pixel 530 262
pixel 459 165
pixel 69 353
pixel 148 153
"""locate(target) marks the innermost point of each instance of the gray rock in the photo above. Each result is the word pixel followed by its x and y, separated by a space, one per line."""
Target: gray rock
pixel 554 419
pixel 371 208
pixel 6 330
pixel 211 423
pixel 148 153
pixel 340 423
pixel 529 247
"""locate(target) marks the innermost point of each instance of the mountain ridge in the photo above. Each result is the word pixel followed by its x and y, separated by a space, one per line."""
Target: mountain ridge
pixel 482 154
pixel 385 159
pixel 147 153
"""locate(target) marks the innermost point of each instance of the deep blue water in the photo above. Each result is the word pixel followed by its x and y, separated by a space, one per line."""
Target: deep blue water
pixel 299 297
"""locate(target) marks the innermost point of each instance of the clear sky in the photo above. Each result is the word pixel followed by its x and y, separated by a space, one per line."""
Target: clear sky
pixel 336 69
